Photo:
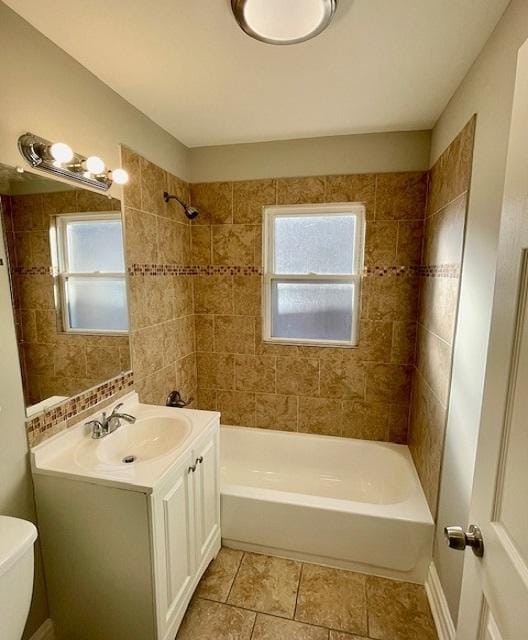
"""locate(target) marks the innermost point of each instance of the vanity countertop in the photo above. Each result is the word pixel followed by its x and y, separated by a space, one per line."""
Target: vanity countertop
pixel 159 437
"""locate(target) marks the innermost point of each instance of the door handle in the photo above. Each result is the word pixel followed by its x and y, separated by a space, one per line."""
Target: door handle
pixel 459 539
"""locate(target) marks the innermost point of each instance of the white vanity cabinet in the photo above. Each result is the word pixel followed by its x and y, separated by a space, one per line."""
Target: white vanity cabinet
pixel 122 561
pixel 186 530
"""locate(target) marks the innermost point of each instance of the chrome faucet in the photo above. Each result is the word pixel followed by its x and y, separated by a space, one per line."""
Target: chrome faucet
pixel 108 424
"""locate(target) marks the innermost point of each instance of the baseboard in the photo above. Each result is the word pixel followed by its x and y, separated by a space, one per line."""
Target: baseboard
pixel 44 632
pixel 438 603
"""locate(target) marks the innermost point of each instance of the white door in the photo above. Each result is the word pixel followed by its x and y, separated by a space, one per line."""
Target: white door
pixel 173 544
pixel 494 603
pixel 207 494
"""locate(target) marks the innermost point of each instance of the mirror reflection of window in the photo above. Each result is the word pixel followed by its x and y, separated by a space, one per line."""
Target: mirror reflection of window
pixel 90 266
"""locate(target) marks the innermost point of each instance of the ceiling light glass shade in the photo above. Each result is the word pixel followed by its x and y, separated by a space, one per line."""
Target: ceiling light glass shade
pixel 283 21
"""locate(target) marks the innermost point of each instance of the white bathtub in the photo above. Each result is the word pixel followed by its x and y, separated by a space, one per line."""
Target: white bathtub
pixel 346 503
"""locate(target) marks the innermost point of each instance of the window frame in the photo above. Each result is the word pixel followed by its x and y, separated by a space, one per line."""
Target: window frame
pixel 270 214
pixel 62 272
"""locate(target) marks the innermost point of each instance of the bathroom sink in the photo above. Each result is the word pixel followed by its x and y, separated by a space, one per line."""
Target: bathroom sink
pixel 145 440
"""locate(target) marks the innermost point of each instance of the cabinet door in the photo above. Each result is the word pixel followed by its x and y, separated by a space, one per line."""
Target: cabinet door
pixel 173 540
pixel 207 494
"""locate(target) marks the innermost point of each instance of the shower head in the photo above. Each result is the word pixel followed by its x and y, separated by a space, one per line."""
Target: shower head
pixel 190 212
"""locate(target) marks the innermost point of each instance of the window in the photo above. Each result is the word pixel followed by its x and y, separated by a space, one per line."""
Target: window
pixel 313 259
pixel 90 268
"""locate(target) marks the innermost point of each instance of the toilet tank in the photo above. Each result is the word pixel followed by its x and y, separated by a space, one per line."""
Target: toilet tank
pixel 16 574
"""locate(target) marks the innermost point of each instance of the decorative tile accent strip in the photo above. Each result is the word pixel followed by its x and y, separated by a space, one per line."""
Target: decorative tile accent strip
pixel 190 270
pixel 43 425
pixel 433 271
pixel 34 271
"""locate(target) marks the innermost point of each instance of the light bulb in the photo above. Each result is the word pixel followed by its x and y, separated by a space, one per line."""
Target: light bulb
pixel 119 176
pixel 61 152
pixel 94 164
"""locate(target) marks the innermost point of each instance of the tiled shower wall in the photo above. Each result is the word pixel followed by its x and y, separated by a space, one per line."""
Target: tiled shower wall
pixel 362 392
pixel 52 362
pixel 442 255
pixel 158 250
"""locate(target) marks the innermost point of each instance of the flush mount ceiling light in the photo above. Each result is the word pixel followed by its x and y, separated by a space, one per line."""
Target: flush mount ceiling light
pixel 283 21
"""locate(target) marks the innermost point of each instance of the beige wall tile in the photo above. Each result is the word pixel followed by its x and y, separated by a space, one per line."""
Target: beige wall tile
pixel 381 243
pixel 276 412
pixel 433 361
pixel 140 237
pixel 247 295
pixel 401 196
pixel 183 295
pixel 213 294
pixel 342 377
pixel 59 202
pixel 366 420
pixel 69 359
pixel 206 399
pixel 375 340
pixel 102 363
pixel 438 306
pixel 353 188
pixel 201 251
pixel 255 373
pixel 215 370
pixel 234 334
pixel 444 233
pixel 186 377
pixel 426 437
pixel 403 342
pixel 249 197
pixel 388 382
pixel 300 190
pixel 237 408
pixel 392 297
pixel 153 184
pixel 159 299
pixel 410 238
pixel 320 415
pixel 234 244
pixel 132 190
pixel 297 376
pixel 214 200
pixel 147 351
pixel 203 325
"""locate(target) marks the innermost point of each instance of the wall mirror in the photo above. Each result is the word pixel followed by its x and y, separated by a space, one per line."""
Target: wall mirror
pixel 65 255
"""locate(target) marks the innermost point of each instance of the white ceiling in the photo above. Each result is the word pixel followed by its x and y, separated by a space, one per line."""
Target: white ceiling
pixel 383 65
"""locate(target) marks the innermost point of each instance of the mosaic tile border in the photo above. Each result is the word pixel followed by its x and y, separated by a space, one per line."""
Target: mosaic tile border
pixel 43 424
pixel 434 271
pixel 34 271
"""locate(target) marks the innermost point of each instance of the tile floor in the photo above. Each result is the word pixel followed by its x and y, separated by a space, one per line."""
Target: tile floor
pixel 245 596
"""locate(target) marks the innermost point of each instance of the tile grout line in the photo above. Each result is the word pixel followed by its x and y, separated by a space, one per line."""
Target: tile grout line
pixel 236 576
pixel 298 589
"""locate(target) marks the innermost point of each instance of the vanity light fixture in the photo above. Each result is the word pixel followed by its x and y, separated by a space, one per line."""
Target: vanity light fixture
pixel 60 159
pixel 283 21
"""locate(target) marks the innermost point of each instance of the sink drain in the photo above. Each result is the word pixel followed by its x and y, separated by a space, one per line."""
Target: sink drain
pixel 128 459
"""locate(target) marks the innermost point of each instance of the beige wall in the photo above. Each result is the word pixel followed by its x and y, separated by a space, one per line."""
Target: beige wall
pixel 368 153
pixel 46 91
pixel 487 91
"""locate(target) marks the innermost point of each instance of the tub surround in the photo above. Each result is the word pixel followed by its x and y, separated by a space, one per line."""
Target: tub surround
pixel 361 393
pixel 157 251
pixel 443 245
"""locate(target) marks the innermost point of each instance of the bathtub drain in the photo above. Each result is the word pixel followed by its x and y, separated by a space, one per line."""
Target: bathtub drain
pixel 128 459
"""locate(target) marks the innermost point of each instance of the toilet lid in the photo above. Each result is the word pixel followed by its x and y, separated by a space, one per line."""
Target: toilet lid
pixel 16 537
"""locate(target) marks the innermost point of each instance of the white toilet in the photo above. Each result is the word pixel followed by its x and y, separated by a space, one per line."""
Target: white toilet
pixel 16 574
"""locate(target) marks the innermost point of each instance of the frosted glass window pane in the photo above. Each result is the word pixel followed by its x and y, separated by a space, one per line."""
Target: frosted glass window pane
pixel 95 245
pixel 315 244
pixel 97 304
pixel 312 310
